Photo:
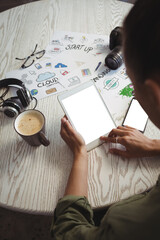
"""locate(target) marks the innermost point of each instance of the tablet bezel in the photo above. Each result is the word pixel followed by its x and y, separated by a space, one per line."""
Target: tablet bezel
pixel 61 97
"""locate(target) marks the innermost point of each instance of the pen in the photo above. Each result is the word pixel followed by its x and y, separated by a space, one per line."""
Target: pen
pixel 98 66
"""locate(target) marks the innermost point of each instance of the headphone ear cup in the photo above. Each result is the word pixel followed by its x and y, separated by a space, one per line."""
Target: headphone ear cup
pixel 21 93
pixel 11 108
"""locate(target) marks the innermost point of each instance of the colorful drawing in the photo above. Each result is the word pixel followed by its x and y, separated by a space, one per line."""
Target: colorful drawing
pixel 34 92
pixel 98 66
pixel 85 72
pixel 51 90
pixel 60 65
pixel 73 81
pixel 111 83
pixel 64 72
pixel 128 91
pixel 45 76
pixel 48 65
pixel 55 50
pixel 38 66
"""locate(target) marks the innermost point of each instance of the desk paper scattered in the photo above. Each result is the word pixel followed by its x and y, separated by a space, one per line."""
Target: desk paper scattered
pixel 73 58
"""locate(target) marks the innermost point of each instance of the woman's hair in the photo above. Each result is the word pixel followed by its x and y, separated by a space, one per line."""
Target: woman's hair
pixel 141 43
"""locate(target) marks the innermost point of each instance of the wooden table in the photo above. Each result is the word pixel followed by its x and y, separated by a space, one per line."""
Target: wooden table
pixel 33 179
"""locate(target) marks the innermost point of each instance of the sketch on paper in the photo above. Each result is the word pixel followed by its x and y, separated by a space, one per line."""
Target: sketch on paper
pixel 73 81
pixel 24 79
pixel 127 91
pixel 48 65
pixel 51 90
pixel 85 72
pixel 45 76
pixel 98 41
pixel 122 73
pixel 60 65
pixel 68 38
pixel 64 72
pixel 83 39
pixel 75 58
pixel 56 42
pixel 34 92
pixel 32 72
pixel 111 83
pixel 55 50
pixel 38 66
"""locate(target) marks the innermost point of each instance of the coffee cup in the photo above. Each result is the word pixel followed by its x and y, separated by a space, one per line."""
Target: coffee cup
pixel 30 125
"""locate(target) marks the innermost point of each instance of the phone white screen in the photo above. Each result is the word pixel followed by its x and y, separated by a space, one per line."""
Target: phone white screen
pixel 136 117
pixel 88 114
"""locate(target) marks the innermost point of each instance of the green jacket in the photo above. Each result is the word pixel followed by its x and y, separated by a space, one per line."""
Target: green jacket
pixel 135 218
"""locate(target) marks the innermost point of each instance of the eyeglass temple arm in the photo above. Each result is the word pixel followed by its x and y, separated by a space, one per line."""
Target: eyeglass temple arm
pixel 34 50
pixel 29 55
pixel 20 58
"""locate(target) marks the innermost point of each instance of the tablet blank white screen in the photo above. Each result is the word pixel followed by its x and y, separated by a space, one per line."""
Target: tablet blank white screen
pixel 88 114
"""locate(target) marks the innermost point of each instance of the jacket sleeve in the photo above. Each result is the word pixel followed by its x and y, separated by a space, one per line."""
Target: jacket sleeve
pixel 73 220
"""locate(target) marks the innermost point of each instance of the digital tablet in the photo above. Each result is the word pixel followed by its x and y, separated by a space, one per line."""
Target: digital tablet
pixel 87 113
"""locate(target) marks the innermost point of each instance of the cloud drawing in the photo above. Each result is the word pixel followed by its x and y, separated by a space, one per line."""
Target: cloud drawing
pixel 60 65
pixel 45 76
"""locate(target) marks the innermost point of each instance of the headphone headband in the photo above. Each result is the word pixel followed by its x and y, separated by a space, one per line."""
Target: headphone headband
pixel 14 105
pixel 11 82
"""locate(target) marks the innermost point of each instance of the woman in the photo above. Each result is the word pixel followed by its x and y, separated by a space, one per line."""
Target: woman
pixel 139 216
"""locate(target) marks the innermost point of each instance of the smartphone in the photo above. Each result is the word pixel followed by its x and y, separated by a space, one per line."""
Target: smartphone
pixel 135 117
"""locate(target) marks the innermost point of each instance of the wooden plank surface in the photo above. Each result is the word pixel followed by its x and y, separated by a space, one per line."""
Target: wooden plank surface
pixel 33 179
pixel 7 4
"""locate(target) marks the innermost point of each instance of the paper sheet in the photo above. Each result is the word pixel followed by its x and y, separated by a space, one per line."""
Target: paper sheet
pixel 73 58
pixel 45 78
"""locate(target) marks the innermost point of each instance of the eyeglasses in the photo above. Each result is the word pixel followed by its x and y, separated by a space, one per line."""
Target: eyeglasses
pixel 30 59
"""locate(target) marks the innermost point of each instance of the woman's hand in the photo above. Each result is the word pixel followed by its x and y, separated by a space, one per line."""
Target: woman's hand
pixel 72 138
pixel 136 144
pixel 77 183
